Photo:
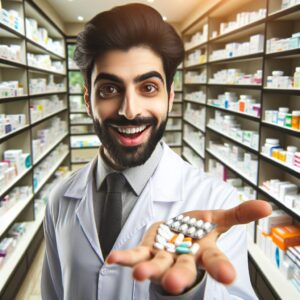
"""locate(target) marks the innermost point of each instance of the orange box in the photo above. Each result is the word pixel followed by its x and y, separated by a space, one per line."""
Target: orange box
pixel 286 236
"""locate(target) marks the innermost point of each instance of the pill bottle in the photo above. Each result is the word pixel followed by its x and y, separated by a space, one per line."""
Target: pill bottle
pixel 296 119
pixel 281 115
pixel 242 103
pixel 282 155
pixel 275 117
pixel 290 154
pixel 297 78
pixel 268 115
pixel 277 78
pixel 270 81
pixel 288 120
pixel 270 145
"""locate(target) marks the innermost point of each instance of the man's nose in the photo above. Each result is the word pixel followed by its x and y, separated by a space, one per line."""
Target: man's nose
pixel 130 107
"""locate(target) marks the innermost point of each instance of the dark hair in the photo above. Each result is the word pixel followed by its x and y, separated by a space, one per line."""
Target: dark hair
pixel 124 27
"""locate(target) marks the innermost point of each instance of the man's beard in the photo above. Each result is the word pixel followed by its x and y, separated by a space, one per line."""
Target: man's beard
pixel 127 157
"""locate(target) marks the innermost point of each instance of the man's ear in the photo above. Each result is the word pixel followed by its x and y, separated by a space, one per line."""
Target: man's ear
pixel 87 100
pixel 171 97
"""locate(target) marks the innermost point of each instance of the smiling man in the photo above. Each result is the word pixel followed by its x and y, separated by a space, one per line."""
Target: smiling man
pixel 103 218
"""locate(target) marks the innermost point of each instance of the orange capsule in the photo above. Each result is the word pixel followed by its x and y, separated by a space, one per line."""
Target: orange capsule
pixel 173 239
pixel 187 239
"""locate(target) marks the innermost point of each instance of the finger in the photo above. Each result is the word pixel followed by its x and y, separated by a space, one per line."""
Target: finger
pixel 129 257
pixel 181 275
pixel 216 263
pixel 244 213
pixel 155 268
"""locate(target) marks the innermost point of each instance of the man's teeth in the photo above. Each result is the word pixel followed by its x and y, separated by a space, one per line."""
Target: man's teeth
pixel 131 130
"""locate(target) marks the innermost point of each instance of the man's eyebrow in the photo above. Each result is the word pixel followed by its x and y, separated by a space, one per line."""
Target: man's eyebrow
pixel 137 79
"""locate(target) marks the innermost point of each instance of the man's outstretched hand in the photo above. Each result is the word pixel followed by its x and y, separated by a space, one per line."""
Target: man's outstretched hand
pixel 177 272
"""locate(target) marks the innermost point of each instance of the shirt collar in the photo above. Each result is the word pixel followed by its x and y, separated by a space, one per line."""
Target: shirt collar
pixel 137 177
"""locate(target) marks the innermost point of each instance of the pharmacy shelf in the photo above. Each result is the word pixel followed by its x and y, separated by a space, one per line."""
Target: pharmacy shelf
pixel 14 182
pixel 282 91
pixel 240 58
pixel 246 30
pixel 190 160
pixel 232 167
pixel 196 66
pixel 75 94
pixel 12 213
pixel 282 128
pixel 49 149
pixel 293 10
pixel 284 288
pixel 48 93
pixel 80 162
pixel 14 98
pixel 291 169
pixel 200 45
pixel 51 172
pixel 174 145
pixel 15 257
pixel 240 143
pixel 12 63
pixel 283 206
pixel 242 114
pixel 175 117
pixel 13 31
pixel 195 83
pixel 81 124
pixel 284 54
pixel 83 133
pixel 32 45
pixel 42 70
pixel 194 101
pixel 193 125
pixel 239 86
pixel 173 130
pixel 49 116
pixel 13 133
pixel 78 112
pixel 190 144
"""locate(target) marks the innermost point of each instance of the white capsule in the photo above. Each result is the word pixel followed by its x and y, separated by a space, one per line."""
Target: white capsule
pixel 160 239
pixel 159 246
pixel 195 248
pixel 191 230
pixel 164 227
pixel 170 222
pixel 179 218
pixel 199 234
pixel 179 239
pixel 192 221
pixel 183 228
pixel 170 245
pixel 165 234
pixel 199 224
pixel 207 226
pixel 175 225
pixel 171 250
pixel 185 219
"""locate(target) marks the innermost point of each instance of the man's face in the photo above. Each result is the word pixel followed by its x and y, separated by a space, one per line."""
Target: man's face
pixel 129 104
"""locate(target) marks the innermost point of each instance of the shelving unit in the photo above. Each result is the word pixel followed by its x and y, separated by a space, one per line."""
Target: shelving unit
pixel 37 89
pixel 272 22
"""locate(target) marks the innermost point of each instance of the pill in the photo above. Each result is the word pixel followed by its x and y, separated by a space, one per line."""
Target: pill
pixel 185 219
pixel 191 230
pixel 165 234
pixel 187 239
pixel 199 224
pixel 179 239
pixel 171 250
pixel 159 246
pixel 170 222
pixel 179 218
pixel 192 221
pixel 173 239
pixel 183 228
pixel 183 250
pixel 164 227
pixel 161 239
pixel 195 248
pixel 170 245
pixel 175 225
pixel 185 244
pixel 199 234
pixel 207 226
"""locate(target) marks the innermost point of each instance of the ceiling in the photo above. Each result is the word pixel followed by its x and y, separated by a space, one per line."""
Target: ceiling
pixel 175 10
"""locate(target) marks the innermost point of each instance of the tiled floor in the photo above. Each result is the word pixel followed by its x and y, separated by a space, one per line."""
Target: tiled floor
pixel 30 289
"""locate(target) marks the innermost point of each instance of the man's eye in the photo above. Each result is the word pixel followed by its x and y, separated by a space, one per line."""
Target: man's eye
pixel 108 91
pixel 149 88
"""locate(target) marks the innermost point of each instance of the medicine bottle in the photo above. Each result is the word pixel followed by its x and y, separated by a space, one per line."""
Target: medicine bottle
pixel 288 120
pixel 297 78
pixel 290 154
pixel 296 119
pixel 242 103
pixel 281 115
pixel 270 145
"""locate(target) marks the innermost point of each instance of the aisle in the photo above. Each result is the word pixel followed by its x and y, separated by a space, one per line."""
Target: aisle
pixel 30 289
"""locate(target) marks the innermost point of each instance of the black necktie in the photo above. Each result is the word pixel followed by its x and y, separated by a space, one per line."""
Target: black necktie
pixel 111 217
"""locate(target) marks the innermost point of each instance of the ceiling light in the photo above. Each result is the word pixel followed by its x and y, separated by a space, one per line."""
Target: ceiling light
pixel 165 18
pixel 80 18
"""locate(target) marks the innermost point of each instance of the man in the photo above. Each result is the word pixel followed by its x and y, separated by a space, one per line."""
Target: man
pixel 128 57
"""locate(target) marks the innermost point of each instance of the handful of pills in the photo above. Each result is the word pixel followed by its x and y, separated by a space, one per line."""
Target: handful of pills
pixel 177 235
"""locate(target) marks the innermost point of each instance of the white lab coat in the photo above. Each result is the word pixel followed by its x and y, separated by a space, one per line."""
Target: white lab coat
pixel 73 267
